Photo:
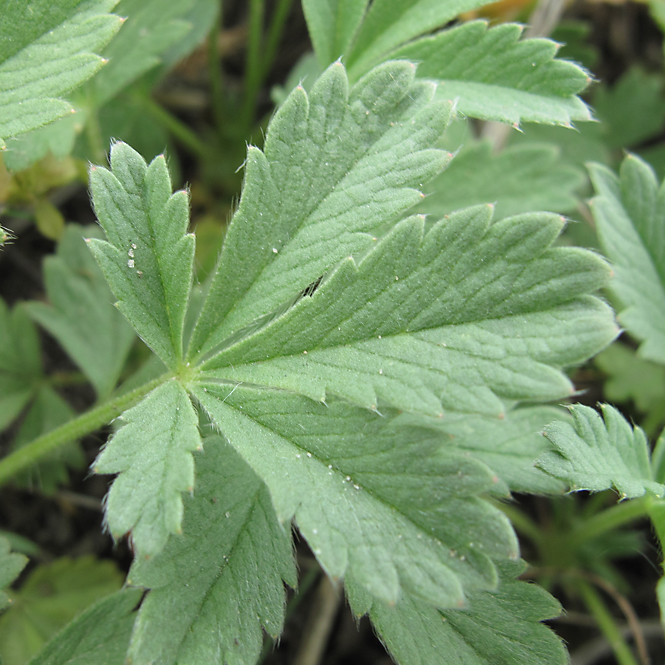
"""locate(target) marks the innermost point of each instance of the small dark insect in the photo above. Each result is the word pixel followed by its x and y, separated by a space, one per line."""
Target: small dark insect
pixel 309 291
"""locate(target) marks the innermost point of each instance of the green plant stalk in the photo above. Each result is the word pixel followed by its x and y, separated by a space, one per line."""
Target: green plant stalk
pixel 215 76
pixel 254 66
pixel 84 424
pixel 275 34
pixel 610 519
pixel 93 133
pixel 606 624
pixel 181 132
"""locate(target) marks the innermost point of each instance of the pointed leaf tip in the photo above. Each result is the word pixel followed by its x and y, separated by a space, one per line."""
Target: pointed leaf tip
pixel 148 258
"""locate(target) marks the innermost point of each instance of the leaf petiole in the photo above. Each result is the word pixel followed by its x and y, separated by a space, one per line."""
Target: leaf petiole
pixel 74 429
pixel 606 623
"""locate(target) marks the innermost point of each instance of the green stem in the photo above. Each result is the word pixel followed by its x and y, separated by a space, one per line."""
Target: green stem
pixel 179 129
pixel 254 67
pixel 606 623
pixel 74 429
pixel 610 519
pixel 215 77
pixel 93 133
pixel 275 34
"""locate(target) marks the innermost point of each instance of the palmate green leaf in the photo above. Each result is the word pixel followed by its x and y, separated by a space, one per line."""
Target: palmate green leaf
pixel 215 588
pixel 390 506
pixel 630 220
pixel 99 635
pixel 11 564
pixel 81 315
pixel 52 596
pixel 499 627
pixel 494 75
pixel 148 259
pixel 337 166
pixel 454 319
pixel 46 50
pixel 519 179
pixel 509 445
pixel 595 455
pixel 152 454
pixel 20 362
pixel 332 25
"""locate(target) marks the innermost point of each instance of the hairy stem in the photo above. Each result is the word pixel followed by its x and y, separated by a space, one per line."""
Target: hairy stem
pixel 74 429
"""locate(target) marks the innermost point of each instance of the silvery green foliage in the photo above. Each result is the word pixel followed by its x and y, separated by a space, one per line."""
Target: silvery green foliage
pixel 330 311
